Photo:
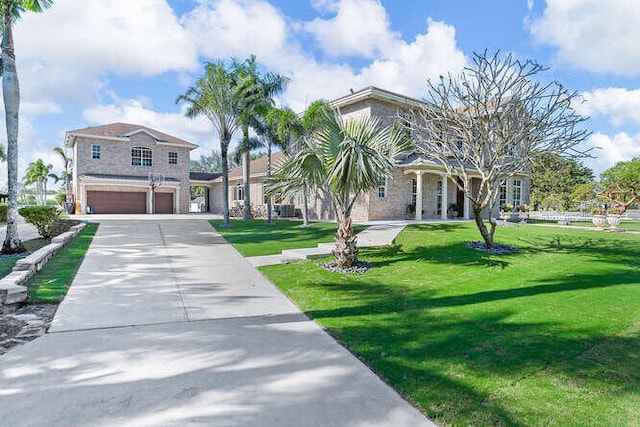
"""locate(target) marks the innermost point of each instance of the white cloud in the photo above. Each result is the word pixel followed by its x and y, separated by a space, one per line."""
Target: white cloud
pixel 65 51
pixel 596 35
pixel 620 106
pixel 237 28
pixel 612 149
pixel 360 27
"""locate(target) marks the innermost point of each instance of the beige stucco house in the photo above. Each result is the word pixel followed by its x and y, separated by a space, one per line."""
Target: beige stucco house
pixel 420 188
pixel 114 165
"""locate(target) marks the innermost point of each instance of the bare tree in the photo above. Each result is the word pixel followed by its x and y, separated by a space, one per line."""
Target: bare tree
pixel 491 122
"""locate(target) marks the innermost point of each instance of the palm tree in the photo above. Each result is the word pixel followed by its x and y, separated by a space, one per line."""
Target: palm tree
pixel 255 92
pixel 38 173
pixel 348 158
pixel 65 175
pixel 11 10
pixel 214 97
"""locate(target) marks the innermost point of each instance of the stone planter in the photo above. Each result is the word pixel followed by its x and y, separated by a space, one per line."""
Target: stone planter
pixel 599 221
pixel 614 222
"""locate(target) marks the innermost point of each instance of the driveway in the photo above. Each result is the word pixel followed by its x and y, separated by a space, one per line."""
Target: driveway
pixel 166 324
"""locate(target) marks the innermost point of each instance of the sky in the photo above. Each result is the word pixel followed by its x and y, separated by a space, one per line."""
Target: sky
pixel 87 63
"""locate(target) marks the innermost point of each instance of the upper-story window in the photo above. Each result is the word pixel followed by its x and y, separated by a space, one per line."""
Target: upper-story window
pixel 382 189
pixel 141 156
pixel 95 152
pixel 173 158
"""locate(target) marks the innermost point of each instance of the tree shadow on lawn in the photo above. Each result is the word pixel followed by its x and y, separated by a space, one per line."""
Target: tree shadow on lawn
pixel 457 364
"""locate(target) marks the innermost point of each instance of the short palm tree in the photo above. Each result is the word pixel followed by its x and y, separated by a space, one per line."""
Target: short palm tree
pixel 214 97
pixel 38 174
pixel 11 10
pixel 347 158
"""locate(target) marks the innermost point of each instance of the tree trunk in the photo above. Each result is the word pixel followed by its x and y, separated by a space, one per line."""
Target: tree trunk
pixel 269 204
pixel 305 209
pixel 482 227
pixel 225 183
pixel 11 95
pixel 246 172
pixel 346 251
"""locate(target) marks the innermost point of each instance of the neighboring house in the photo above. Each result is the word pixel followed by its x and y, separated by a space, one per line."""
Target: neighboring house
pixel 114 165
pixel 418 189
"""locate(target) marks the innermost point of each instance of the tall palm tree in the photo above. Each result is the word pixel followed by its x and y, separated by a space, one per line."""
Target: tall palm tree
pixel 38 173
pixel 11 10
pixel 348 158
pixel 255 92
pixel 214 97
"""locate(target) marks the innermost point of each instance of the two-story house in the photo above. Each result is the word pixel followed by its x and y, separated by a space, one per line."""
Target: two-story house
pixel 127 168
pixel 420 188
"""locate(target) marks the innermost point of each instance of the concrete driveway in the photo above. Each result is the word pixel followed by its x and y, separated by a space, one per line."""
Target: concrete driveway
pixel 166 324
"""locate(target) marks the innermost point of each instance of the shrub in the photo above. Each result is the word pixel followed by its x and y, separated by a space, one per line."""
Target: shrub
pixel 598 211
pixel 43 217
pixel 3 212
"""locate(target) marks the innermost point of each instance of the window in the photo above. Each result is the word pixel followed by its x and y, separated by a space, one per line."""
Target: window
pixel 414 192
pixel 173 158
pixel 502 195
pixel 517 192
pixel 382 189
pixel 439 192
pixel 141 156
pixel 95 152
pixel 238 192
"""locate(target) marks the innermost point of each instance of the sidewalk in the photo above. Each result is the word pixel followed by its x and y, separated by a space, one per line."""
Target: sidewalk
pixel 25 231
pixel 166 324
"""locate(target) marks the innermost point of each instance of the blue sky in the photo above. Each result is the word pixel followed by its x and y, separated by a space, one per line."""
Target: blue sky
pixel 86 63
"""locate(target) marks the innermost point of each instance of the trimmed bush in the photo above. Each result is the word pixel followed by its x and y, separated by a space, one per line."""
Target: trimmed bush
pixel 3 212
pixel 43 217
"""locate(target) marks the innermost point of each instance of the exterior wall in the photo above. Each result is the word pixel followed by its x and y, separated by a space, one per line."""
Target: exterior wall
pixel 394 206
pixel 115 159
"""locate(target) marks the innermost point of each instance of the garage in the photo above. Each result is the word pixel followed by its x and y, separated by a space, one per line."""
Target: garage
pixel 163 203
pixel 115 202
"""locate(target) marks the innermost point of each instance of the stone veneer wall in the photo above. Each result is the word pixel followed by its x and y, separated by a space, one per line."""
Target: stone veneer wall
pixel 115 159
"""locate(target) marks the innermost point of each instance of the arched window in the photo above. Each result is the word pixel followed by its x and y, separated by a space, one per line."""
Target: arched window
pixel 141 156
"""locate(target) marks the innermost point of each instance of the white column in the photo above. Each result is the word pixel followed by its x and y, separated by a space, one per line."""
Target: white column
pixel 83 195
pixel 445 198
pixel 176 201
pixel 149 201
pixel 465 213
pixel 418 195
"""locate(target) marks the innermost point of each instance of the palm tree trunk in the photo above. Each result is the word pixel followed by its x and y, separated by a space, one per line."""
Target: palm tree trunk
pixel 269 204
pixel 224 146
pixel 346 251
pixel 305 209
pixel 246 172
pixel 11 95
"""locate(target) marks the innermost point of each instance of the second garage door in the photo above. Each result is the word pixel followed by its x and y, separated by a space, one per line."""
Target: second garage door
pixel 113 202
pixel 163 203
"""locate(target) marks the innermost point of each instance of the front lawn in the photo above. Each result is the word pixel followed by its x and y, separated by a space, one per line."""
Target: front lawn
pixel 8 261
pixel 629 225
pixel 547 336
pixel 50 284
pixel 256 237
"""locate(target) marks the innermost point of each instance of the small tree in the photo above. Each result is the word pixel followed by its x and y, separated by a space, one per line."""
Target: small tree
pixel 621 184
pixel 492 122
pixel 348 158
pixel 554 177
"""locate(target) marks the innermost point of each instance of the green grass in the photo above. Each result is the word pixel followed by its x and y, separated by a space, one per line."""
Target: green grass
pixel 256 237
pixel 547 336
pixel 8 261
pixel 50 284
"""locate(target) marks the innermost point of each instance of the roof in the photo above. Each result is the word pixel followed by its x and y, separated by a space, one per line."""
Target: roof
pixel 203 176
pixel 258 166
pixel 372 92
pixel 122 131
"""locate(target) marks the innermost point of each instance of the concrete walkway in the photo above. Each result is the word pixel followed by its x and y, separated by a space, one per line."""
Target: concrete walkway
pixel 166 324
pixel 379 233
pixel 25 231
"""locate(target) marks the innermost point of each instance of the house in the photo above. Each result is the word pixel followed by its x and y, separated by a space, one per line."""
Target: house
pixel 128 168
pixel 419 188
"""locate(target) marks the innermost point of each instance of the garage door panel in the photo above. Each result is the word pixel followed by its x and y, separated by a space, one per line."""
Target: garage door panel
pixel 163 203
pixel 115 202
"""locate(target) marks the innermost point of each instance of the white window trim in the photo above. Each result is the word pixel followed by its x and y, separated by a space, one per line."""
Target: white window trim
pixel 94 151
pixel 175 153
pixel 142 156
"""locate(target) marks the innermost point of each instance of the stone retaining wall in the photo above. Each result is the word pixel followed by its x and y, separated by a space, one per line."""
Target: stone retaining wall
pixel 13 290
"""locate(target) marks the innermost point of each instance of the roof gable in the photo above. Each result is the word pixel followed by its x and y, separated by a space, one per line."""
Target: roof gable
pixel 122 131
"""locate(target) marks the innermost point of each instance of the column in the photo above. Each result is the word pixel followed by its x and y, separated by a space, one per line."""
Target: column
pixel 149 201
pixel 83 195
pixel 445 197
pixel 418 195
pixel 465 213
